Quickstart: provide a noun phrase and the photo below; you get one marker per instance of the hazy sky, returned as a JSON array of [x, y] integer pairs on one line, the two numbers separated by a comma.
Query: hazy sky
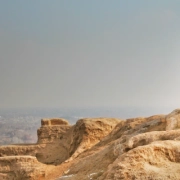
[[87, 53]]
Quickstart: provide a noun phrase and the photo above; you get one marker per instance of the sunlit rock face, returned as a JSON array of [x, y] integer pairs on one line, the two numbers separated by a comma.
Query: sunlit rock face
[[88, 132], [52, 130], [21, 167], [98, 148]]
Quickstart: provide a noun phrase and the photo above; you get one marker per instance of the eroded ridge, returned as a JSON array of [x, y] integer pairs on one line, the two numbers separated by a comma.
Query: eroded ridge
[[98, 148]]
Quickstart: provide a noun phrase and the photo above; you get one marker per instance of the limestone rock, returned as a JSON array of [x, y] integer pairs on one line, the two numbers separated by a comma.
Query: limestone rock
[[98, 149], [157, 161], [56, 135], [12, 150], [54, 121], [88, 132], [49, 134], [21, 167]]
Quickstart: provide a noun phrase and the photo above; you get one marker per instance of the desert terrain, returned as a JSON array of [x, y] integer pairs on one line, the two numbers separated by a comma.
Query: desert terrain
[[98, 148]]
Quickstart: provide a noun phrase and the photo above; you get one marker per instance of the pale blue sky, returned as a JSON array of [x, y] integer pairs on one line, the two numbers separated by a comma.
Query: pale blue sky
[[84, 53]]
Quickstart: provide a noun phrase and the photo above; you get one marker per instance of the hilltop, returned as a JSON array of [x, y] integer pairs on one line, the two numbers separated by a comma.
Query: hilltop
[[98, 148]]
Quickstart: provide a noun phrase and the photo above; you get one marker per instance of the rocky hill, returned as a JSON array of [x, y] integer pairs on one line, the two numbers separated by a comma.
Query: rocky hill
[[98, 148]]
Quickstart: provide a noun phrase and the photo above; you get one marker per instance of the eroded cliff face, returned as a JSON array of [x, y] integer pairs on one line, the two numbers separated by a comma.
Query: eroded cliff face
[[21, 167], [58, 141], [88, 132], [98, 148]]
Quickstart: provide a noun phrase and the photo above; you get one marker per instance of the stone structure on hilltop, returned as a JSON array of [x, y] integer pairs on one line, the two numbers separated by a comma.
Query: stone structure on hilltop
[[99, 149]]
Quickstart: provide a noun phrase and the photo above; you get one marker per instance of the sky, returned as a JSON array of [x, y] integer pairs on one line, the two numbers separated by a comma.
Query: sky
[[119, 53]]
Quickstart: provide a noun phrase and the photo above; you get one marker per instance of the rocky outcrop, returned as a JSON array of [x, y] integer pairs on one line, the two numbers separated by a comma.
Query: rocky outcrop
[[52, 129], [13, 150], [58, 141], [52, 145], [99, 149], [21, 167], [157, 161], [126, 139], [88, 132]]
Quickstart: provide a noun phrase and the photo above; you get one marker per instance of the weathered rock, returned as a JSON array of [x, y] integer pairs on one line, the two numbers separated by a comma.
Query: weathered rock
[[99, 149], [21, 167], [173, 120], [13, 150], [125, 137], [56, 135], [50, 134], [157, 161], [52, 146], [88, 132], [54, 121]]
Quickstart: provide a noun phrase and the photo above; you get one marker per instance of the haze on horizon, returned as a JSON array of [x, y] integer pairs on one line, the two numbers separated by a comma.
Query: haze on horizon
[[89, 53]]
